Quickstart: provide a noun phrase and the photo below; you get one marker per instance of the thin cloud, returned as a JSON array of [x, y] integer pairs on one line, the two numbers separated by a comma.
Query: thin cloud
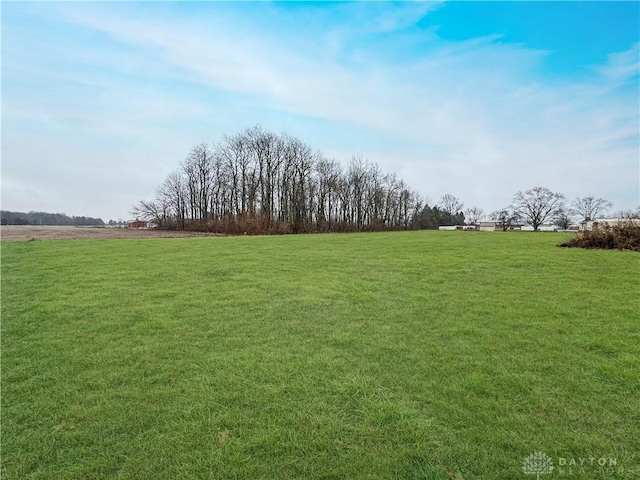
[[622, 66], [475, 118]]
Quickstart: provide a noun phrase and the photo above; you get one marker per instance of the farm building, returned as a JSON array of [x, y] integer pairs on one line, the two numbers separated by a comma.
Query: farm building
[[492, 226], [541, 228], [488, 226], [457, 227], [138, 224]]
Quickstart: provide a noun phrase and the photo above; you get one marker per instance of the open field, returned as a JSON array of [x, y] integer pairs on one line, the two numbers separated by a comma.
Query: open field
[[434, 355], [34, 232]]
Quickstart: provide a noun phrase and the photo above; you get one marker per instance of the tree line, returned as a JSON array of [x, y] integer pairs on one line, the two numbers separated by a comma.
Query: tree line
[[259, 182], [44, 218]]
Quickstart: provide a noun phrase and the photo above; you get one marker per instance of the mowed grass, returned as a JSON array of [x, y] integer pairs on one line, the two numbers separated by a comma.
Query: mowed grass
[[435, 355]]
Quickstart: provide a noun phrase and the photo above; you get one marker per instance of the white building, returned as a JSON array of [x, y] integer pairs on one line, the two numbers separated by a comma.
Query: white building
[[588, 225], [492, 226]]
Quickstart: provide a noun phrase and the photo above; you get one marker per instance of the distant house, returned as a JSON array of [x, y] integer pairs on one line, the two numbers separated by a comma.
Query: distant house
[[488, 226], [492, 226], [457, 227], [138, 224]]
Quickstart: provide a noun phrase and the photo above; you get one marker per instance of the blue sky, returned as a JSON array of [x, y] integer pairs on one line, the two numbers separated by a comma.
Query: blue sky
[[100, 101]]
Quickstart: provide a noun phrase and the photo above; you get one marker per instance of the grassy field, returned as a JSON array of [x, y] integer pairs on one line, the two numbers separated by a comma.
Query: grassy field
[[435, 355]]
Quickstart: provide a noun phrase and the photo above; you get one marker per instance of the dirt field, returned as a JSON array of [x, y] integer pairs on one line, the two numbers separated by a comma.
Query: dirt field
[[17, 233]]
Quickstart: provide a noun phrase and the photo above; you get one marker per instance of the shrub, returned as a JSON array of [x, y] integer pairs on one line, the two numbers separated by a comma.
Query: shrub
[[623, 236]]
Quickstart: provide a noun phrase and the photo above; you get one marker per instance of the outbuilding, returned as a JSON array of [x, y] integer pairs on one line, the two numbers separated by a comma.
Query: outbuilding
[[138, 224]]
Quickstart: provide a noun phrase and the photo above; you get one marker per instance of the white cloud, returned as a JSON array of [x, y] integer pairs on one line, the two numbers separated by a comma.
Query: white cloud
[[385, 16], [622, 66], [472, 118]]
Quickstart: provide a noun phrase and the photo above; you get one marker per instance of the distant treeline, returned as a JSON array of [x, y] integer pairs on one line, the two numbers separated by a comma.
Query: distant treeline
[[44, 218], [260, 182]]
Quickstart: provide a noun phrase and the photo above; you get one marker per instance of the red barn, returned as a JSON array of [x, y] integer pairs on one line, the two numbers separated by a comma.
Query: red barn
[[138, 224]]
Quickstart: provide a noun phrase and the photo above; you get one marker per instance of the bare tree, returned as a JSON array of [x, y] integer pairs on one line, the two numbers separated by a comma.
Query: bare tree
[[563, 217], [327, 174], [358, 178], [450, 204], [505, 217], [173, 194], [589, 207], [473, 215], [628, 214], [147, 210], [537, 205]]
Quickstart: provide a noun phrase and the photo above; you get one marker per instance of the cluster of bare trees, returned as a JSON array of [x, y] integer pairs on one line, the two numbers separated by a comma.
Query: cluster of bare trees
[[260, 182], [539, 205]]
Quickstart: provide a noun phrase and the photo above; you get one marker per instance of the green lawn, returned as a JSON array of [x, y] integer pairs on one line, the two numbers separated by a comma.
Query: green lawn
[[435, 355]]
